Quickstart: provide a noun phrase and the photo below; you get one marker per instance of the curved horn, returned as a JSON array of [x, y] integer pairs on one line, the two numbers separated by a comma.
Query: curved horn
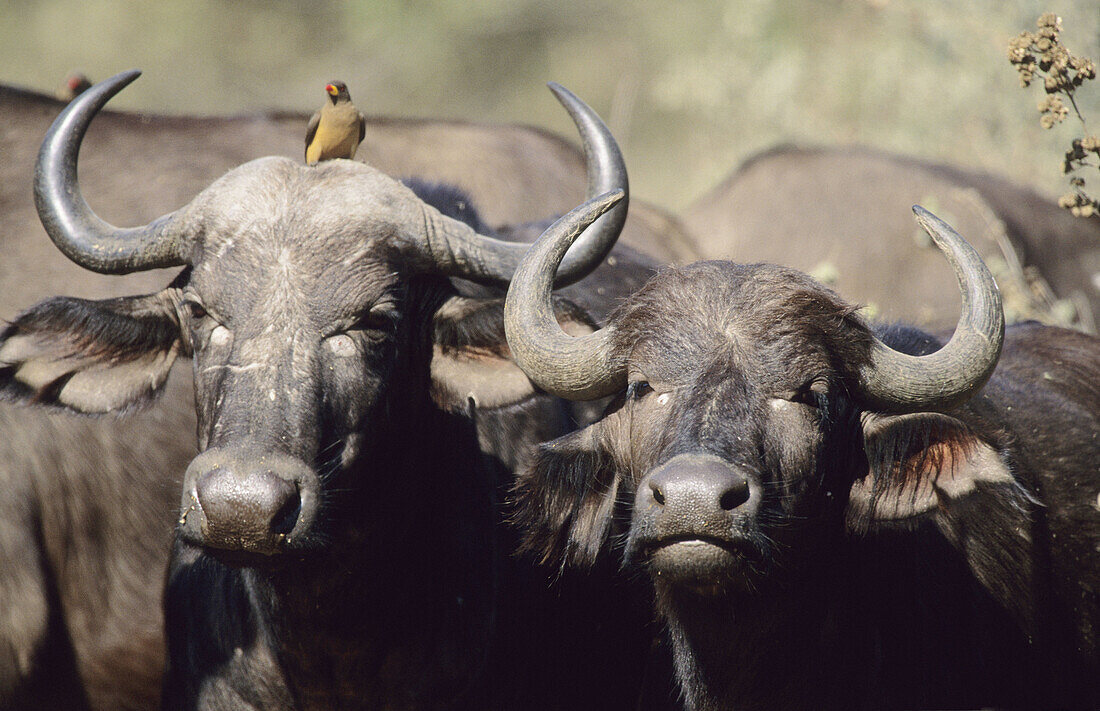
[[903, 383], [77, 231], [572, 368], [456, 250]]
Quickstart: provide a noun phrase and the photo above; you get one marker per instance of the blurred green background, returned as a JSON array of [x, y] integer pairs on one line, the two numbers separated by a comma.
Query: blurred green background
[[690, 88]]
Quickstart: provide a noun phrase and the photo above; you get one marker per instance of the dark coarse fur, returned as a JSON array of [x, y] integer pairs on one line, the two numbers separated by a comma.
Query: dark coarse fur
[[408, 594], [928, 560]]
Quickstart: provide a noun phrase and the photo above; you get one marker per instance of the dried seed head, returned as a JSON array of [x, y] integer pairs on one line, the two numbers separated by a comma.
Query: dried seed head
[[1085, 67], [1049, 19], [1042, 53]]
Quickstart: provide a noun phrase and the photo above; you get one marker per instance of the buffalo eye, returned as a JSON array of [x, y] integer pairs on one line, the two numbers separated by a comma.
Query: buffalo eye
[[637, 389], [377, 320], [812, 394], [195, 310]]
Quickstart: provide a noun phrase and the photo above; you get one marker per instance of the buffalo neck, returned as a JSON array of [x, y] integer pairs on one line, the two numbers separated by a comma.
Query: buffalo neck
[[764, 649]]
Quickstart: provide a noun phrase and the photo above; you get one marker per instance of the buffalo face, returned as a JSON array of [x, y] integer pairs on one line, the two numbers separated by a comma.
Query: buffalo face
[[292, 325], [714, 451]]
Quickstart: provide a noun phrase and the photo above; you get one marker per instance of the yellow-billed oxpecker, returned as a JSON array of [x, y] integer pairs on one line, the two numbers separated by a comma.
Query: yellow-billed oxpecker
[[336, 129]]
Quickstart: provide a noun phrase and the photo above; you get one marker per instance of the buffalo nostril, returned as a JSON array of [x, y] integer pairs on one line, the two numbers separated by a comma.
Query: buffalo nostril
[[734, 496], [284, 520], [658, 495]]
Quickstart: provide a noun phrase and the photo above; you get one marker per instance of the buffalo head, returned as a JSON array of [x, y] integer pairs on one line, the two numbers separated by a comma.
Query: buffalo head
[[749, 406]]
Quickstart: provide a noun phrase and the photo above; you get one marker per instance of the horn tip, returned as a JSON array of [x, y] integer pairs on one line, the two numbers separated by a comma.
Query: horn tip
[[127, 76], [928, 219], [112, 85], [564, 95]]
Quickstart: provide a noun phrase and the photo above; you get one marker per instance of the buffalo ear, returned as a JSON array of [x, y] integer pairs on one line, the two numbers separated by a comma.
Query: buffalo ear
[[923, 463], [564, 499], [91, 356], [470, 356]]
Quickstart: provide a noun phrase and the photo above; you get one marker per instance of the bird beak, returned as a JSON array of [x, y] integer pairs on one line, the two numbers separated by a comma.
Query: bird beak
[[331, 89]]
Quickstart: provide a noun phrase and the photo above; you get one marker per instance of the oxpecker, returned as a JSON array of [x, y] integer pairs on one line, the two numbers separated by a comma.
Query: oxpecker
[[336, 129]]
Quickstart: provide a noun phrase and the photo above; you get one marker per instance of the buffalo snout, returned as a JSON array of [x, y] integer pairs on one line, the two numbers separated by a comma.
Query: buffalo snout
[[693, 516], [694, 492], [240, 499]]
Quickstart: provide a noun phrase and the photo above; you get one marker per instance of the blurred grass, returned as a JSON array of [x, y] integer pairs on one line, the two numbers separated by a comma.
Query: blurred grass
[[690, 88]]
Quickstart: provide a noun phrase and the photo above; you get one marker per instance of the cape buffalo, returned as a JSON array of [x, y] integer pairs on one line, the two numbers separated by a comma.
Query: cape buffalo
[[840, 214], [832, 515], [339, 542]]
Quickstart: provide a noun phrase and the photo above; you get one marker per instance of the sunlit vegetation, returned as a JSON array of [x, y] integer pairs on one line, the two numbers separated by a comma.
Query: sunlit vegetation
[[690, 88]]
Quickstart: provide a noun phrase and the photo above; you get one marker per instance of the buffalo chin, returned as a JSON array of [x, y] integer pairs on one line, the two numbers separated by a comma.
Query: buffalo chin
[[703, 565]]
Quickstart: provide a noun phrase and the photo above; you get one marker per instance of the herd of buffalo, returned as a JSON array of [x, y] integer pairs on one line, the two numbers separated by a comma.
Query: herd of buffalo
[[439, 467]]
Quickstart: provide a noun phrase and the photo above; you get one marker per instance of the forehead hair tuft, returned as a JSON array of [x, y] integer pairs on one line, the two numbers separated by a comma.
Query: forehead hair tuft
[[763, 304]]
